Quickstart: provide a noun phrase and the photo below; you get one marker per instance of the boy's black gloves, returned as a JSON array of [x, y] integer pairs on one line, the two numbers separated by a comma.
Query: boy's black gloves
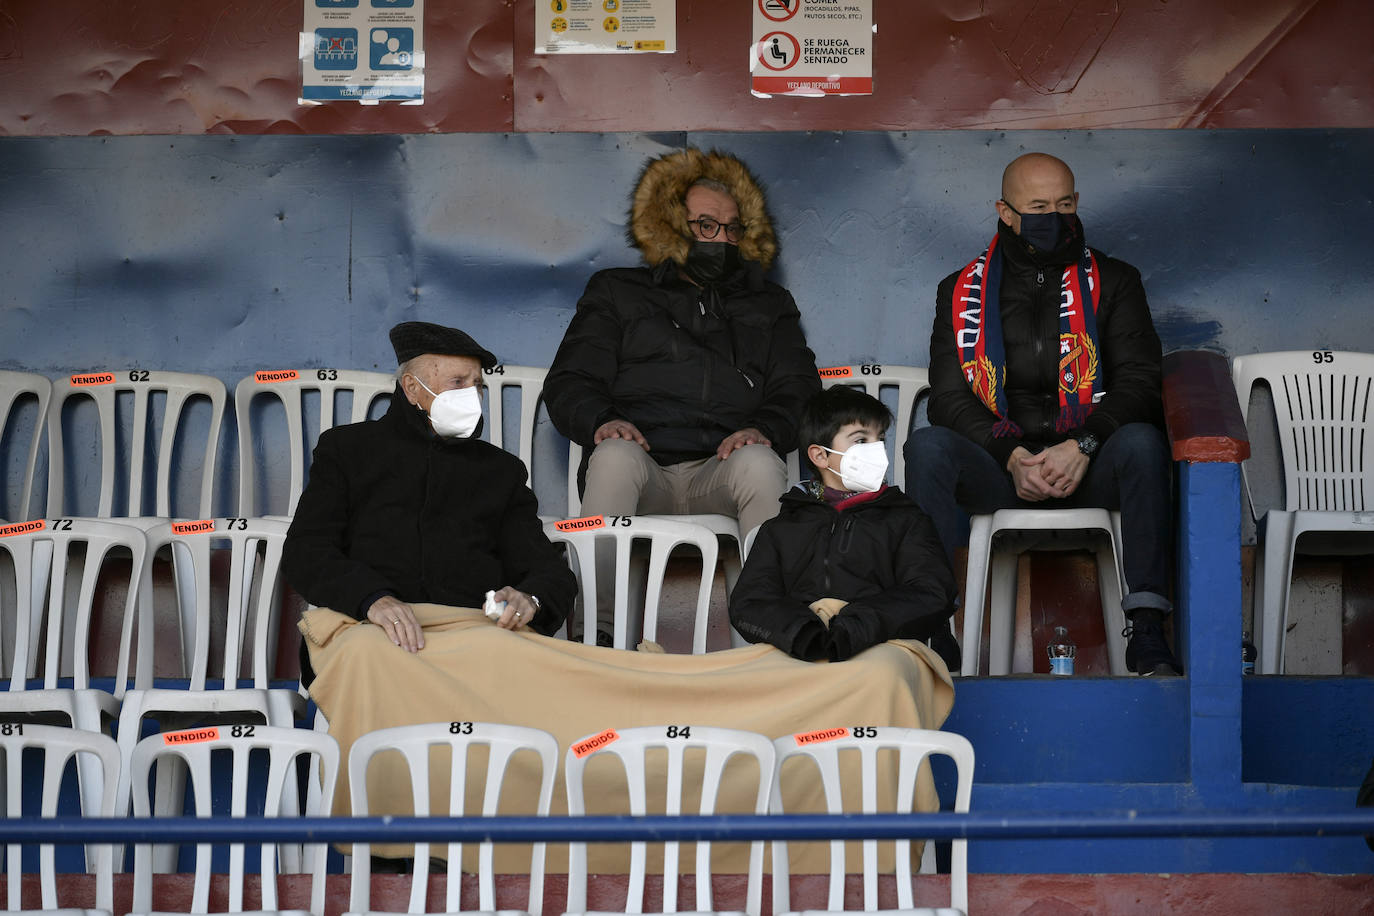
[[850, 634], [812, 643], [947, 647]]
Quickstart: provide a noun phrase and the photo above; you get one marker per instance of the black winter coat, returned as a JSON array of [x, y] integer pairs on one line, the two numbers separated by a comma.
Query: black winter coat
[[880, 553], [1129, 354], [391, 508], [645, 347]]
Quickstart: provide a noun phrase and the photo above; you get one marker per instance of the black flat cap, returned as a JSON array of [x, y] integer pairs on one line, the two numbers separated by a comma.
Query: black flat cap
[[416, 338]]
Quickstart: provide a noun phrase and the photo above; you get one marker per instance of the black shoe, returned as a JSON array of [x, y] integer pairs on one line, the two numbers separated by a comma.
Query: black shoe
[[386, 866], [947, 647], [382, 865], [1147, 654], [603, 639]]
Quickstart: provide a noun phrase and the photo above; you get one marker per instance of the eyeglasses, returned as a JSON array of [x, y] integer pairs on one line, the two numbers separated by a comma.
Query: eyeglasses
[[710, 228]]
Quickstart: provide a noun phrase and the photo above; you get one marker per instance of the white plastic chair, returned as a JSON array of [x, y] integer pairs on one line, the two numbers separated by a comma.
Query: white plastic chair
[[58, 746], [415, 743], [529, 380], [910, 381], [274, 796], [181, 390], [663, 534], [725, 529], [15, 386], [574, 462], [723, 526], [45, 616], [913, 746], [981, 554], [1321, 405], [289, 386], [254, 581], [631, 746]]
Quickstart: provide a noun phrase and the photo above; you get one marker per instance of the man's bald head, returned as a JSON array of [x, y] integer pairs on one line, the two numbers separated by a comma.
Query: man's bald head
[[1033, 169], [1036, 183]]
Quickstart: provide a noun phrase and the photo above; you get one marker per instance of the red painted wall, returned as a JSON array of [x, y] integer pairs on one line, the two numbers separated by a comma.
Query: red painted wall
[[170, 67]]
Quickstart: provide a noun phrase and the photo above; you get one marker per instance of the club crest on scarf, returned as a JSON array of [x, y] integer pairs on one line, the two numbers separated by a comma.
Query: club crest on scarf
[[982, 353], [982, 378], [1077, 363]]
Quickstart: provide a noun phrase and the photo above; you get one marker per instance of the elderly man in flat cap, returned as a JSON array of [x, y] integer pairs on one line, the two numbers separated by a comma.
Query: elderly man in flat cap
[[414, 507]]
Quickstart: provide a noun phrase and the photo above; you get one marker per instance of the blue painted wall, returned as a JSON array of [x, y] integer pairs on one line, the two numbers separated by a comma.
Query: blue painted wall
[[224, 255]]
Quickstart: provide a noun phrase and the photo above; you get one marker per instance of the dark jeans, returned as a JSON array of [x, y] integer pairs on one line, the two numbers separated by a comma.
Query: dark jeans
[[948, 475]]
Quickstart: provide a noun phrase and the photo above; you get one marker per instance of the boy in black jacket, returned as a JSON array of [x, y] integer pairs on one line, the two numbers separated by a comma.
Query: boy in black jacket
[[846, 535]]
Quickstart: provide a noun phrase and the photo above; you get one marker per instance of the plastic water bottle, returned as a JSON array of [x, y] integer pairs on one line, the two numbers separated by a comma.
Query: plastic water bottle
[[1248, 653], [1062, 652]]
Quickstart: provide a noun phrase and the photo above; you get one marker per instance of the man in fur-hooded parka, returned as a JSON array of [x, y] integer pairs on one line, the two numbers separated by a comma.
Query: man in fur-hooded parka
[[683, 379]]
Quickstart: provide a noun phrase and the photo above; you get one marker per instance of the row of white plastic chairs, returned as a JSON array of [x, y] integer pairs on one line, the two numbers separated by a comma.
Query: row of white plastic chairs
[[1320, 408], [291, 387], [692, 758], [46, 631]]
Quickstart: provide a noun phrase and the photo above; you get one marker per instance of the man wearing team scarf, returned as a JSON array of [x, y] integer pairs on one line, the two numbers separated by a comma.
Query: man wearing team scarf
[[1045, 391]]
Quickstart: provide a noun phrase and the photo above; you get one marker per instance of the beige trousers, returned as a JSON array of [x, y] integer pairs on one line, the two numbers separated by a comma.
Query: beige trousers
[[622, 479]]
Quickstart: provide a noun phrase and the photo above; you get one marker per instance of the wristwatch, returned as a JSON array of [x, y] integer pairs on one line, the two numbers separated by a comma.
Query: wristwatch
[[534, 600], [1088, 444]]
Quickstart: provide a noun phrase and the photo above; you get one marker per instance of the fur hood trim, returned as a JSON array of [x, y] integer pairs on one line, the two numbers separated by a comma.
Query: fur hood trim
[[658, 215]]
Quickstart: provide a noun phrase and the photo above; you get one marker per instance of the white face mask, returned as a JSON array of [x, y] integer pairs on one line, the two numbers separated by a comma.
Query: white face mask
[[454, 413], [863, 468]]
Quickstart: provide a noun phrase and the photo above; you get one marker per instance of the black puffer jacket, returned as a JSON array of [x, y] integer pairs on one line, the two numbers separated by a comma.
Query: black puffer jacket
[[1129, 353], [649, 347], [391, 508], [877, 551]]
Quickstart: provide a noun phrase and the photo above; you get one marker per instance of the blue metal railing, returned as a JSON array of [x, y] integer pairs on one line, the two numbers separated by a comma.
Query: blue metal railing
[[718, 828]]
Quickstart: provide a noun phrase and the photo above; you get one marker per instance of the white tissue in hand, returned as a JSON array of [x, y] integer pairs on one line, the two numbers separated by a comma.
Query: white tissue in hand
[[492, 607]]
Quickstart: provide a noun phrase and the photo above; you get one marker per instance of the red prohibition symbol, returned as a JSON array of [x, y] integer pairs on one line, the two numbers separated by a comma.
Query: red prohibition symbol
[[779, 10], [778, 51]]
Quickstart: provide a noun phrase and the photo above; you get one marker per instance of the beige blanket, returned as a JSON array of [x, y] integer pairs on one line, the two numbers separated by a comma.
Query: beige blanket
[[471, 670]]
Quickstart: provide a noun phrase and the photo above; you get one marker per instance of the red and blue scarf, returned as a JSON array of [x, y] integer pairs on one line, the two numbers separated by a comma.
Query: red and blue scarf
[[978, 337]]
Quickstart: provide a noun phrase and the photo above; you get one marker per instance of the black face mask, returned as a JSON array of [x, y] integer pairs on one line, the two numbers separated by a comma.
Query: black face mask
[[1046, 232], [711, 262], [1041, 230]]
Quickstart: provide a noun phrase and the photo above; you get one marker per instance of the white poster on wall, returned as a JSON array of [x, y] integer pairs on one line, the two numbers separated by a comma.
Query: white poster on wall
[[605, 26], [812, 47], [363, 50]]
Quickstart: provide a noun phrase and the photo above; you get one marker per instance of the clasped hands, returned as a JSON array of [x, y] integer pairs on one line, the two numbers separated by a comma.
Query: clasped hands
[[1052, 473], [397, 618], [624, 429]]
